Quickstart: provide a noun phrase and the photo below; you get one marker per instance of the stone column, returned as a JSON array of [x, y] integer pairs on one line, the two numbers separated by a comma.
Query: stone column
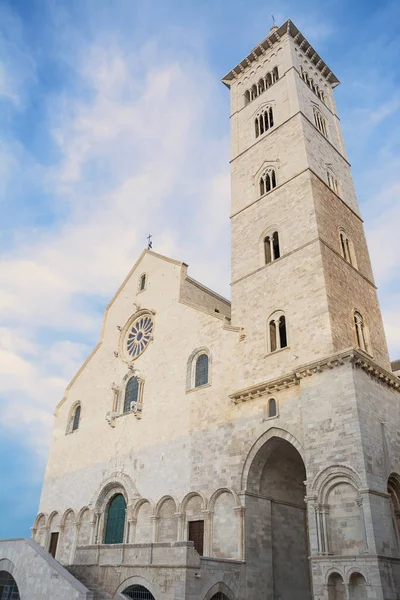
[[154, 528], [131, 534], [94, 528], [180, 517], [208, 533], [240, 510], [71, 557]]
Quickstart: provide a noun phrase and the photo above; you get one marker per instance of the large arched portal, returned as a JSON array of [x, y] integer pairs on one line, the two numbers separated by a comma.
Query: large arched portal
[[276, 522], [8, 587]]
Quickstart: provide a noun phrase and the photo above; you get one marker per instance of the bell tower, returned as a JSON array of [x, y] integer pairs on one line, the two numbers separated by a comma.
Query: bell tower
[[302, 283]]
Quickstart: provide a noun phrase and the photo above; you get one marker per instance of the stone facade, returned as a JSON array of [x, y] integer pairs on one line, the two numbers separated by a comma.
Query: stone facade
[[298, 504]]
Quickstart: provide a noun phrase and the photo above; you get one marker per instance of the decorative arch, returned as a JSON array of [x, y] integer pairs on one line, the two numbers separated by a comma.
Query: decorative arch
[[74, 417], [161, 502], [191, 495], [336, 570], [277, 331], [117, 480], [361, 333], [139, 504], [218, 492], [265, 437], [66, 515], [355, 571], [270, 244], [52, 518], [326, 478], [191, 367], [37, 523], [219, 588]]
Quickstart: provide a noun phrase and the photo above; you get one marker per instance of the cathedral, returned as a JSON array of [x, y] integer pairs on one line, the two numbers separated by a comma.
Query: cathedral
[[243, 450]]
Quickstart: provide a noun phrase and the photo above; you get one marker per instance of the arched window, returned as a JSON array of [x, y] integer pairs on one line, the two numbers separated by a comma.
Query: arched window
[[360, 332], [74, 418], [138, 592], [132, 390], [264, 121], [271, 247], [346, 248], [115, 520], [143, 281], [332, 181], [246, 97], [8, 587], [275, 74], [254, 92], [201, 371], [261, 86], [320, 122], [277, 333], [77, 416], [268, 80], [267, 181], [271, 408]]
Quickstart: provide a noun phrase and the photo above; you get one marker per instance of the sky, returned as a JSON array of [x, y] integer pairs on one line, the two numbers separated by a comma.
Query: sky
[[114, 124]]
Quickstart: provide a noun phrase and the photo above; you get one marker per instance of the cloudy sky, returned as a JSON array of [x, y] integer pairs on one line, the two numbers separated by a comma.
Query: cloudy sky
[[114, 124]]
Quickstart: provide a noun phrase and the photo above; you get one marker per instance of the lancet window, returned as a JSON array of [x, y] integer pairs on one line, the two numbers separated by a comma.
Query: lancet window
[[263, 84], [74, 418], [277, 332], [142, 282], [272, 409], [201, 371], [320, 122], [264, 121], [271, 247], [360, 332], [312, 85], [133, 392], [332, 181], [267, 181], [346, 247]]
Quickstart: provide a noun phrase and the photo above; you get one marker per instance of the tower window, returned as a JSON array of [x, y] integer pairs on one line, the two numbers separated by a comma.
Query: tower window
[[360, 332], [271, 247], [320, 122], [264, 121], [346, 248], [332, 181], [132, 393], [262, 85], [272, 408], [267, 181], [277, 331], [201, 374], [142, 282], [312, 85]]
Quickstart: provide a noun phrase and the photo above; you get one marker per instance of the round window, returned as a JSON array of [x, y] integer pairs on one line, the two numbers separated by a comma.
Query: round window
[[139, 335]]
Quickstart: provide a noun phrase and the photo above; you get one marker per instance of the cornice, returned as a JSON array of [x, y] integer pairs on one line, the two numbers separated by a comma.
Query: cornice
[[273, 38], [350, 356]]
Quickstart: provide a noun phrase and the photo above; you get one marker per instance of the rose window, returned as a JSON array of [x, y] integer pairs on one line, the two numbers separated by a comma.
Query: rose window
[[139, 336]]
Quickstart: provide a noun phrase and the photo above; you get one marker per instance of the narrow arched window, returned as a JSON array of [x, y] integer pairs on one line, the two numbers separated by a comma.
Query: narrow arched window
[[131, 394], [361, 337], [142, 282], [264, 121], [271, 247], [268, 80], [332, 181], [257, 126], [277, 332], [346, 248], [272, 407], [275, 74], [320, 122], [77, 416], [246, 97], [261, 86], [254, 91], [267, 181], [115, 520], [201, 371]]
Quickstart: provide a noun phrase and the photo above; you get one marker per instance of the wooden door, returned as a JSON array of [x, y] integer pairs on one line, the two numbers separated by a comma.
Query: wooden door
[[196, 535], [53, 544]]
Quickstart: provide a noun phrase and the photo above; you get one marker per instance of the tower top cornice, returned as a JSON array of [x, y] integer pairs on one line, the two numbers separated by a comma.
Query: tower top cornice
[[273, 38]]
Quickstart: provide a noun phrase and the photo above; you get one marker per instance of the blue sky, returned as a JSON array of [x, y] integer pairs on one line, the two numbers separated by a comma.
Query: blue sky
[[114, 123]]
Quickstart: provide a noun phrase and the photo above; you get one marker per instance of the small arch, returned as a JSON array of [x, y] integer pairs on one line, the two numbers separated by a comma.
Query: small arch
[[267, 181], [275, 74], [218, 492], [139, 581], [219, 591], [137, 592], [358, 586], [268, 80], [118, 482], [139, 504], [254, 92], [161, 502], [40, 521], [190, 495], [320, 121], [65, 516], [261, 86], [246, 97], [336, 587], [323, 480]]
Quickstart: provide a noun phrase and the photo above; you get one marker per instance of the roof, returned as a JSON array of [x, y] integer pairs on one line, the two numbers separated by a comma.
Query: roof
[[274, 37], [395, 365]]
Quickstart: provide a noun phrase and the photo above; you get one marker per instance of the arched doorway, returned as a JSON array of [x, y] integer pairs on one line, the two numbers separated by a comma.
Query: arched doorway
[[276, 522], [336, 589], [115, 526], [358, 587], [138, 592], [8, 587]]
